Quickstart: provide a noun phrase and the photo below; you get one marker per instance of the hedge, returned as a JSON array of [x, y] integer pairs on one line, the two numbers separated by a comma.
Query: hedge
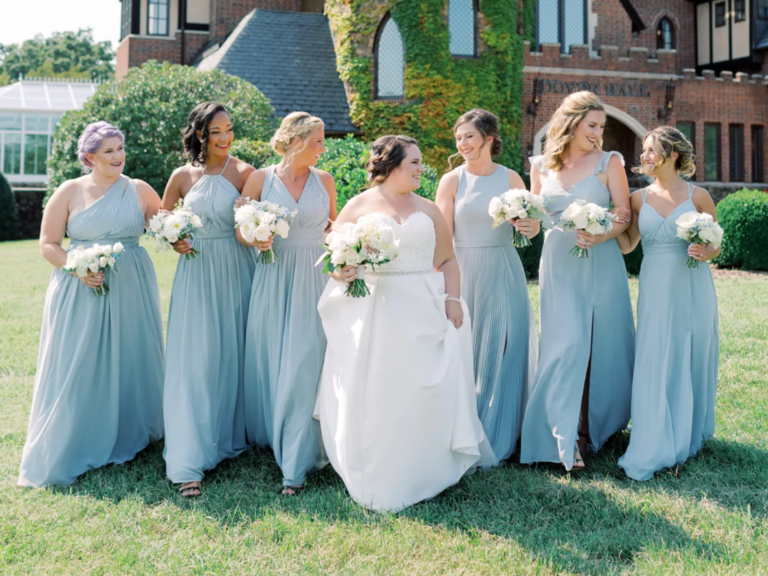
[[151, 105], [9, 217], [744, 218]]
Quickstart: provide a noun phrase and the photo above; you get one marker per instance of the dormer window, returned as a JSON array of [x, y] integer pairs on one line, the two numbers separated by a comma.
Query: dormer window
[[390, 60], [462, 27]]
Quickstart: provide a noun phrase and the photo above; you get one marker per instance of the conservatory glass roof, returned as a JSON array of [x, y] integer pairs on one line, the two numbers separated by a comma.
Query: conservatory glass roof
[[42, 95]]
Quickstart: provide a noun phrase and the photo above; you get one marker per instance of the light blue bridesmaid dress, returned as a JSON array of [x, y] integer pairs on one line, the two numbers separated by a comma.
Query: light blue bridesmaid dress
[[285, 342], [676, 353], [204, 409], [494, 287], [586, 323], [99, 383]]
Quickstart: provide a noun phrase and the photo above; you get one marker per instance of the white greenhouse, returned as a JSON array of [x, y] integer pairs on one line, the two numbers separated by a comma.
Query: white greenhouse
[[29, 112]]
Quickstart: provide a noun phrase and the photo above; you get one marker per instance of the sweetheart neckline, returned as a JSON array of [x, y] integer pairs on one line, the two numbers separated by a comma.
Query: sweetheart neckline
[[404, 222]]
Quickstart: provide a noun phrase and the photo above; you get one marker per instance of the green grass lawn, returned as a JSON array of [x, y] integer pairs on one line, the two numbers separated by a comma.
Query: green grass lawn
[[709, 518]]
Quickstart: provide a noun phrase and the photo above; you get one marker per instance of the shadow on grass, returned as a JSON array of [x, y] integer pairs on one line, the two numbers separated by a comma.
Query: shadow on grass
[[570, 522]]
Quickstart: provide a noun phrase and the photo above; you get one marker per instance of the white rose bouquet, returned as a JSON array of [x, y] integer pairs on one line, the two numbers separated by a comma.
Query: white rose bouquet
[[513, 204], [582, 215], [170, 227], [701, 229], [368, 241], [262, 220], [97, 259]]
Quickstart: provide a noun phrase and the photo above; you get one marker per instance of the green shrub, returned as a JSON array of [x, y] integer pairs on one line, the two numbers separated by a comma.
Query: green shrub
[[744, 218], [344, 159], [151, 105], [9, 216], [633, 260]]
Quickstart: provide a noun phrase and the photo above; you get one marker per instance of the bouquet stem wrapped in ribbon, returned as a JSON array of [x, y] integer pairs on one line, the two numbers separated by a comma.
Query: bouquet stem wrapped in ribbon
[[169, 227], [98, 258], [261, 221], [583, 215], [514, 204], [368, 241], [698, 228]]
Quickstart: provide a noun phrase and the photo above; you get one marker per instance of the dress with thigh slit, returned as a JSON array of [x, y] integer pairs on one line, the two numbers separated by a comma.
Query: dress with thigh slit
[[586, 327]]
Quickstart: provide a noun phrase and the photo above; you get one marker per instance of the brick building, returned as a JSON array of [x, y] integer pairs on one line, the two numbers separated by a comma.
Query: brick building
[[697, 64]]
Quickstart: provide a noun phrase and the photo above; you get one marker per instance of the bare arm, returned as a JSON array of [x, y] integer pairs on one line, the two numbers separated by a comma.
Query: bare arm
[[445, 198], [178, 185], [54, 225], [704, 204], [330, 187], [445, 262], [630, 238], [148, 200], [535, 181]]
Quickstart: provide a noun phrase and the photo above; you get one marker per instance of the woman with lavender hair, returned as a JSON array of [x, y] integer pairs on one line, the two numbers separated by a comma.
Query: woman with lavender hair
[[98, 394]]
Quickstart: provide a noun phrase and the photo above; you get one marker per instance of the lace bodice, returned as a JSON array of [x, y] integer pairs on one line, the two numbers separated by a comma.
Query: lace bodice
[[417, 245]]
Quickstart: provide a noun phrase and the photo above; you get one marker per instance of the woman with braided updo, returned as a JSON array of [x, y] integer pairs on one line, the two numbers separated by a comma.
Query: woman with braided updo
[[204, 409], [285, 343], [677, 347]]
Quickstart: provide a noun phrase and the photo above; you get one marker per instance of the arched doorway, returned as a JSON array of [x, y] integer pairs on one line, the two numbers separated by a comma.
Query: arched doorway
[[623, 134]]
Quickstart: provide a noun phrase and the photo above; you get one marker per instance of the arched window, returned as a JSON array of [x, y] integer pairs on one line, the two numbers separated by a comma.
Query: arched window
[[665, 35], [390, 60], [462, 27]]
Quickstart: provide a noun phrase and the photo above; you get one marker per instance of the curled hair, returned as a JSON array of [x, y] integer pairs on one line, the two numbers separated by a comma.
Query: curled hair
[[92, 138], [296, 128], [563, 123], [196, 149], [488, 126], [387, 153], [665, 140]]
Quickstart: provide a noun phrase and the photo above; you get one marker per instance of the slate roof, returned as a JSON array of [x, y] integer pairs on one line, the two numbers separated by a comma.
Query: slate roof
[[763, 41], [290, 57]]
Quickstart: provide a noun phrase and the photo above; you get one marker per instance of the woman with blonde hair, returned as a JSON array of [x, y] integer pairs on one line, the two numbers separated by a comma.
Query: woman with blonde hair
[[676, 353], [492, 278], [285, 343], [584, 377]]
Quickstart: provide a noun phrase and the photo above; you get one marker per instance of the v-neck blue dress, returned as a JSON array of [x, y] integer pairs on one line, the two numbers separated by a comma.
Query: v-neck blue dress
[[676, 355], [203, 404], [285, 343], [586, 322]]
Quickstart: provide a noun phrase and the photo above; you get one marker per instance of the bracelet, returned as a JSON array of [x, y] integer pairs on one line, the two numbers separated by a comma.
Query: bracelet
[[452, 299]]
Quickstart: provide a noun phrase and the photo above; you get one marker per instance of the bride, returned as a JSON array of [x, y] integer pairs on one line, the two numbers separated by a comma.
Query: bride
[[396, 401]]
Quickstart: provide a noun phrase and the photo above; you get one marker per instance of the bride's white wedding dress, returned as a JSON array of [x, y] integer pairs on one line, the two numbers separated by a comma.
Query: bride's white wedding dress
[[396, 401]]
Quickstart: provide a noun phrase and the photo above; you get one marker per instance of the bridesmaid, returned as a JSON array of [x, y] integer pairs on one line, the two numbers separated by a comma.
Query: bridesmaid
[[587, 329], [204, 409], [285, 343], [99, 383], [493, 280], [675, 377]]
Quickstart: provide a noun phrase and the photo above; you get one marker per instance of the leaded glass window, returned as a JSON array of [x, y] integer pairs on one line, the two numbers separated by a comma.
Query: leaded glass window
[[712, 152], [157, 17], [561, 21], [462, 27], [390, 61]]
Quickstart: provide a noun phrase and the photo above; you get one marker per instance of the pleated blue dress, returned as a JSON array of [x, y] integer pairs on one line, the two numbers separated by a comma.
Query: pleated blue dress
[[204, 405], [99, 382], [493, 284], [285, 342], [676, 353], [586, 322]]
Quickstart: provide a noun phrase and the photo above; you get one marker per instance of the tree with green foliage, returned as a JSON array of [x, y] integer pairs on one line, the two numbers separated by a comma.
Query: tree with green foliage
[[62, 55], [9, 217], [151, 105]]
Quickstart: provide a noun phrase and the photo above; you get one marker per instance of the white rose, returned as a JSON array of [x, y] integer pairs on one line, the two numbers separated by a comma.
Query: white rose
[[117, 248], [595, 228], [282, 228], [687, 220], [580, 220], [102, 262], [707, 235], [262, 233], [196, 222], [522, 214], [495, 207], [718, 232], [572, 211], [351, 257], [94, 267]]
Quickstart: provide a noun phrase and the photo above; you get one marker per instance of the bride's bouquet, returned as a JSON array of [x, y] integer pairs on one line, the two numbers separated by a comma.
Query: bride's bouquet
[[698, 228], [582, 215], [169, 227], [368, 241], [262, 220], [97, 258], [513, 204]]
